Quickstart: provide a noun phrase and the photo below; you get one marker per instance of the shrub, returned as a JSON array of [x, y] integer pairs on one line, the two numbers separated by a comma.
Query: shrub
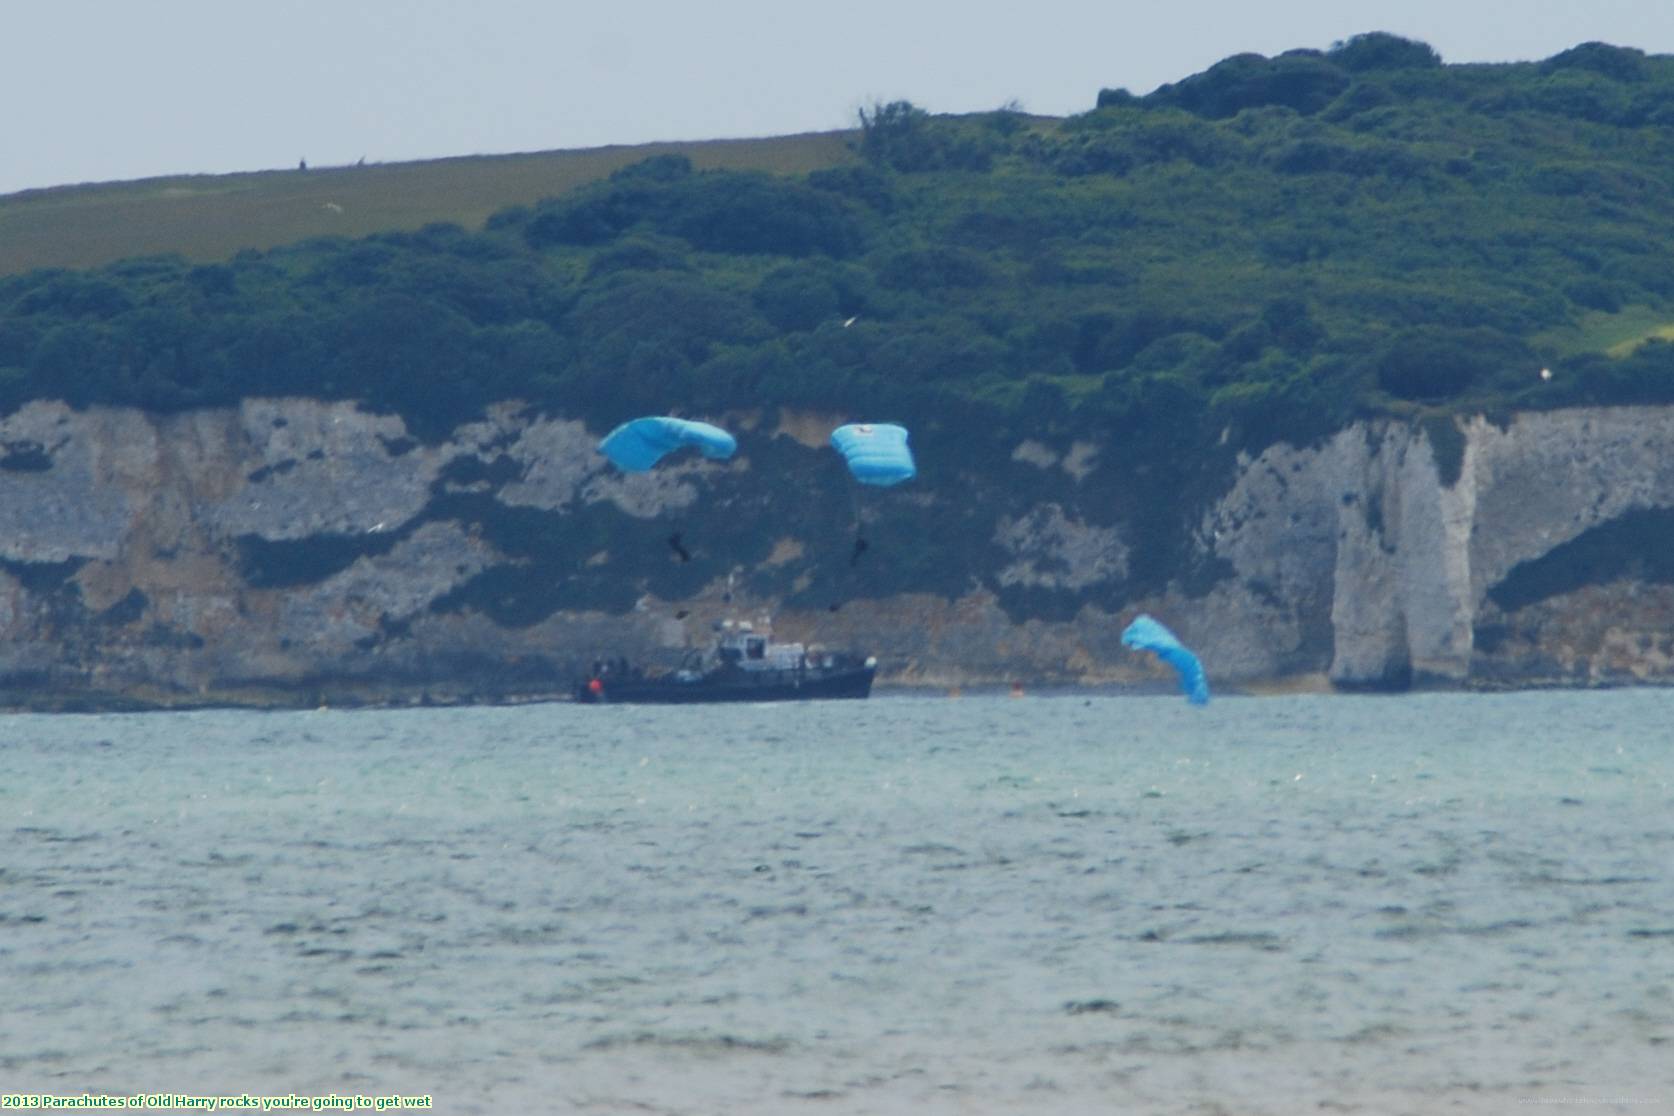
[[1379, 50], [796, 298], [1617, 63], [896, 135], [861, 183], [1301, 80], [1434, 363], [734, 212], [933, 268], [636, 316], [640, 253], [718, 211]]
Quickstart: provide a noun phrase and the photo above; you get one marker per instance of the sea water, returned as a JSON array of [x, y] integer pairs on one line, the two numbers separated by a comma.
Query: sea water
[[1425, 904]]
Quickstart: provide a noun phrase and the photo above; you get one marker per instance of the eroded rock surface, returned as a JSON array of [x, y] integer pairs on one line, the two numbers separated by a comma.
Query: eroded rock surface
[[294, 550]]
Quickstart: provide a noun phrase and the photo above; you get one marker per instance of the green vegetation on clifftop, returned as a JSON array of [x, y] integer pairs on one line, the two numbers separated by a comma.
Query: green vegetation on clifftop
[[1262, 251], [1270, 245]]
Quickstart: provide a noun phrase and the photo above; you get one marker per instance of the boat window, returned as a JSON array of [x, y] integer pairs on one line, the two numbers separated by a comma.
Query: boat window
[[755, 648]]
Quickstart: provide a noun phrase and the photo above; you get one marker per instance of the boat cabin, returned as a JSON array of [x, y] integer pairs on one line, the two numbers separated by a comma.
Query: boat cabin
[[744, 648]]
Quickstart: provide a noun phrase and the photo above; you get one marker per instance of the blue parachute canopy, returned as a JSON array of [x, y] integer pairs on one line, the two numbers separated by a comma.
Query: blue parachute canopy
[[1146, 634], [636, 446], [877, 452]]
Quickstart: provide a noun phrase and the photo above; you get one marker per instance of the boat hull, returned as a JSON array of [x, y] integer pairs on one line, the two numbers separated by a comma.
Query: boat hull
[[779, 685]]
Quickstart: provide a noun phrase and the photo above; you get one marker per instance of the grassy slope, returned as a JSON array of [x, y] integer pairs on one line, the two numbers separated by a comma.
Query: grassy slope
[[212, 217], [1616, 334]]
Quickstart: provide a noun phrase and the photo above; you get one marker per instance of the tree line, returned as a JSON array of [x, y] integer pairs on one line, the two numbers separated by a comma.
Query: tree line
[[1258, 252]]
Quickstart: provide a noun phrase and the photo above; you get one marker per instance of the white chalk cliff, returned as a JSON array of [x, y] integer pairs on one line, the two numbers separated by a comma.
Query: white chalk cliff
[[293, 550]]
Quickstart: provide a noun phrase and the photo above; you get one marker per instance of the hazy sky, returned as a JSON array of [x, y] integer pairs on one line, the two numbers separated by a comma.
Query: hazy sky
[[95, 90]]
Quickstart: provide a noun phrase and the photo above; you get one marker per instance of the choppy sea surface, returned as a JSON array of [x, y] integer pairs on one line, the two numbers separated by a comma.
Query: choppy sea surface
[[1416, 904]]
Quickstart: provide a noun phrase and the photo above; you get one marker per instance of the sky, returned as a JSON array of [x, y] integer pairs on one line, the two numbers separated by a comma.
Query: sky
[[104, 90]]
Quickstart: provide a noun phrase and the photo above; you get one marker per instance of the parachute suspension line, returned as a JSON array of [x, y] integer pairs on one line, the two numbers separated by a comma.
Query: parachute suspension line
[[877, 455], [637, 447], [677, 543], [675, 538], [860, 543]]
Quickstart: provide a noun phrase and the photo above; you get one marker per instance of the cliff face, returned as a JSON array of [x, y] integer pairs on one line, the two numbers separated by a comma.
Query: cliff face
[[295, 551], [1523, 554]]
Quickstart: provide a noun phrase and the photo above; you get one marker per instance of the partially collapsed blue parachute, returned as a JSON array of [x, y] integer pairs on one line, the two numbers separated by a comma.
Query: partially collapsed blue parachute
[[640, 444], [877, 453], [1146, 634]]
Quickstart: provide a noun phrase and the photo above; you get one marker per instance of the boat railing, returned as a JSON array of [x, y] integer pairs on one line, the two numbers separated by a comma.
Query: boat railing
[[802, 671]]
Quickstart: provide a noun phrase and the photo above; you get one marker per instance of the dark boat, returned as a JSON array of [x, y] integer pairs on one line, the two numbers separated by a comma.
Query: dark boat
[[743, 665]]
